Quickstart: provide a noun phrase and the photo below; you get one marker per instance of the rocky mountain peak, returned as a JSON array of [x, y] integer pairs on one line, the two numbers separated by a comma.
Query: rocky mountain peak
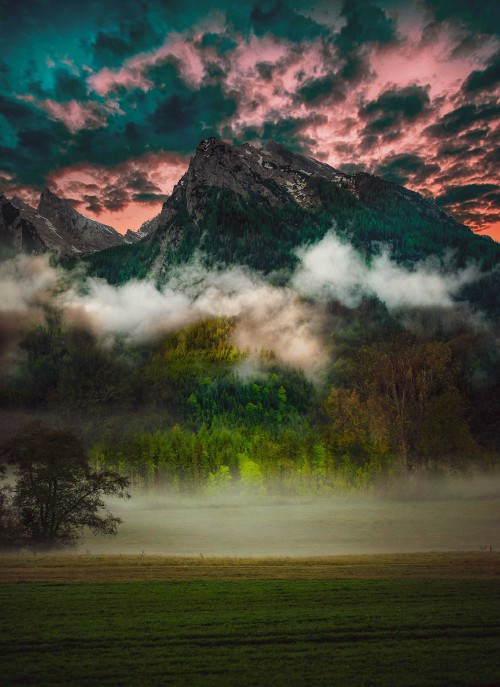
[[47, 196], [271, 172], [254, 203], [86, 234], [54, 226]]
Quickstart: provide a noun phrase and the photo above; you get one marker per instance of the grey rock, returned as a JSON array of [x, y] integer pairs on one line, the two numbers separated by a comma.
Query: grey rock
[[85, 235], [22, 228]]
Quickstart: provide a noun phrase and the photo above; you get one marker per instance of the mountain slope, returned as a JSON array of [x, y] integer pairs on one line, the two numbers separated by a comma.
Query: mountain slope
[[22, 228], [251, 205], [54, 227], [86, 234], [254, 206]]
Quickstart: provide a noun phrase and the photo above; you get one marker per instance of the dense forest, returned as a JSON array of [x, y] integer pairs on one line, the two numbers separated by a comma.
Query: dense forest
[[192, 411]]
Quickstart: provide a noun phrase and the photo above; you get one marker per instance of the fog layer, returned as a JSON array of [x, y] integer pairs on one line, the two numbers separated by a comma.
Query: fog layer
[[288, 320], [456, 514]]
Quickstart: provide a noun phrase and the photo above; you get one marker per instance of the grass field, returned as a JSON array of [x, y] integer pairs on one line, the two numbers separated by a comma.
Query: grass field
[[417, 619]]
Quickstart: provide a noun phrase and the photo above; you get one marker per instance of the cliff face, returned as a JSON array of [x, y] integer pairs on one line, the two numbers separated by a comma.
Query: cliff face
[[22, 228], [54, 227], [278, 177], [85, 234], [272, 173]]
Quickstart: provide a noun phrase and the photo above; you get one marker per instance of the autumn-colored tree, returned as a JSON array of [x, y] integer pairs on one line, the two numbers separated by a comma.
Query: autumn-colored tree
[[415, 382], [358, 428]]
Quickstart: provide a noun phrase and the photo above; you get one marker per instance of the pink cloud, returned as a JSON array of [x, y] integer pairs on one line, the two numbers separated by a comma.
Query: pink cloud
[[260, 100], [74, 114], [161, 169], [336, 127], [106, 80], [132, 73]]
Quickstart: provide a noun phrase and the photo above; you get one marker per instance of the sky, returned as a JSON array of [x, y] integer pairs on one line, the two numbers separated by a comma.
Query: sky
[[105, 102]]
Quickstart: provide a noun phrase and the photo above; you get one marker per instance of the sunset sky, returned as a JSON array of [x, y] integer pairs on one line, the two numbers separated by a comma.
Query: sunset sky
[[105, 102]]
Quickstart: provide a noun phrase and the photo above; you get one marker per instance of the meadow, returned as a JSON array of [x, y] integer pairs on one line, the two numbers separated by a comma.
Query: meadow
[[399, 619]]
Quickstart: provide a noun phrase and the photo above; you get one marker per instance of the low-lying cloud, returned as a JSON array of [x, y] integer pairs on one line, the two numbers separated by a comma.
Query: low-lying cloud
[[26, 285], [332, 269], [288, 320], [270, 318]]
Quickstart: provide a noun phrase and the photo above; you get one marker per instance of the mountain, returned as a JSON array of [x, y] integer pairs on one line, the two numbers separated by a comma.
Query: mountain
[[23, 229], [86, 234], [148, 227], [54, 227], [255, 205], [131, 236]]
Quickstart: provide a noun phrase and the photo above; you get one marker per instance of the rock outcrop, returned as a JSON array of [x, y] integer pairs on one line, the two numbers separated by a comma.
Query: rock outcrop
[[86, 235], [22, 228]]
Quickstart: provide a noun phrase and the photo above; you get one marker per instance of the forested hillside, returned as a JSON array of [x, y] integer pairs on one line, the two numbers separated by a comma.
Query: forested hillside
[[194, 411]]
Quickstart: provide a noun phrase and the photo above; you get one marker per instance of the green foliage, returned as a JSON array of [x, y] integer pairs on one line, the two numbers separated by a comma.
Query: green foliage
[[56, 495], [389, 401], [119, 264], [69, 367]]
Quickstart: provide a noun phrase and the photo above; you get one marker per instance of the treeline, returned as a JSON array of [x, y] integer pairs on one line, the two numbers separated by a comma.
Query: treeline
[[190, 376], [251, 460]]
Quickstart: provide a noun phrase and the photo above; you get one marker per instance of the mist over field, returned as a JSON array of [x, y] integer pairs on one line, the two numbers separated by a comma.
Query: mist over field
[[454, 514]]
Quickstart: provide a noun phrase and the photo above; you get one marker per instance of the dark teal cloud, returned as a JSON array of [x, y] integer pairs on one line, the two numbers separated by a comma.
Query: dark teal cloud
[[464, 117], [483, 80], [132, 31], [135, 187], [67, 86], [279, 19], [481, 16], [459, 194], [30, 142], [220, 42], [265, 70], [288, 131], [181, 119], [366, 22], [391, 111], [328, 87], [404, 167], [149, 197]]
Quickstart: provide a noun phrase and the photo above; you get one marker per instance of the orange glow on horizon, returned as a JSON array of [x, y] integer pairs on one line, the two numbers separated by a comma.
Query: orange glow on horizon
[[132, 217], [492, 230]]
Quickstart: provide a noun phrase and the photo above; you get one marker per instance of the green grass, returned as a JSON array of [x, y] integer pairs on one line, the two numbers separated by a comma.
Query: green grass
[[257, 632]]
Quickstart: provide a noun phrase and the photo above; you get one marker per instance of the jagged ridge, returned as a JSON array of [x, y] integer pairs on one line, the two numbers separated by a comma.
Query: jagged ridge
[[55, 226], [86, 234], [255, 205]]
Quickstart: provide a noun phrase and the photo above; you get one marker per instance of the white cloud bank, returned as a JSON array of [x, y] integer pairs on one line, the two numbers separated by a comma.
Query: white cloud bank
[[286, 320], [333, 269]]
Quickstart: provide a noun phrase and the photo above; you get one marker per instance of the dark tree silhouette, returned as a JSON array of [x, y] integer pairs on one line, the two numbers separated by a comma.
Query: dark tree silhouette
[[56, 494]]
